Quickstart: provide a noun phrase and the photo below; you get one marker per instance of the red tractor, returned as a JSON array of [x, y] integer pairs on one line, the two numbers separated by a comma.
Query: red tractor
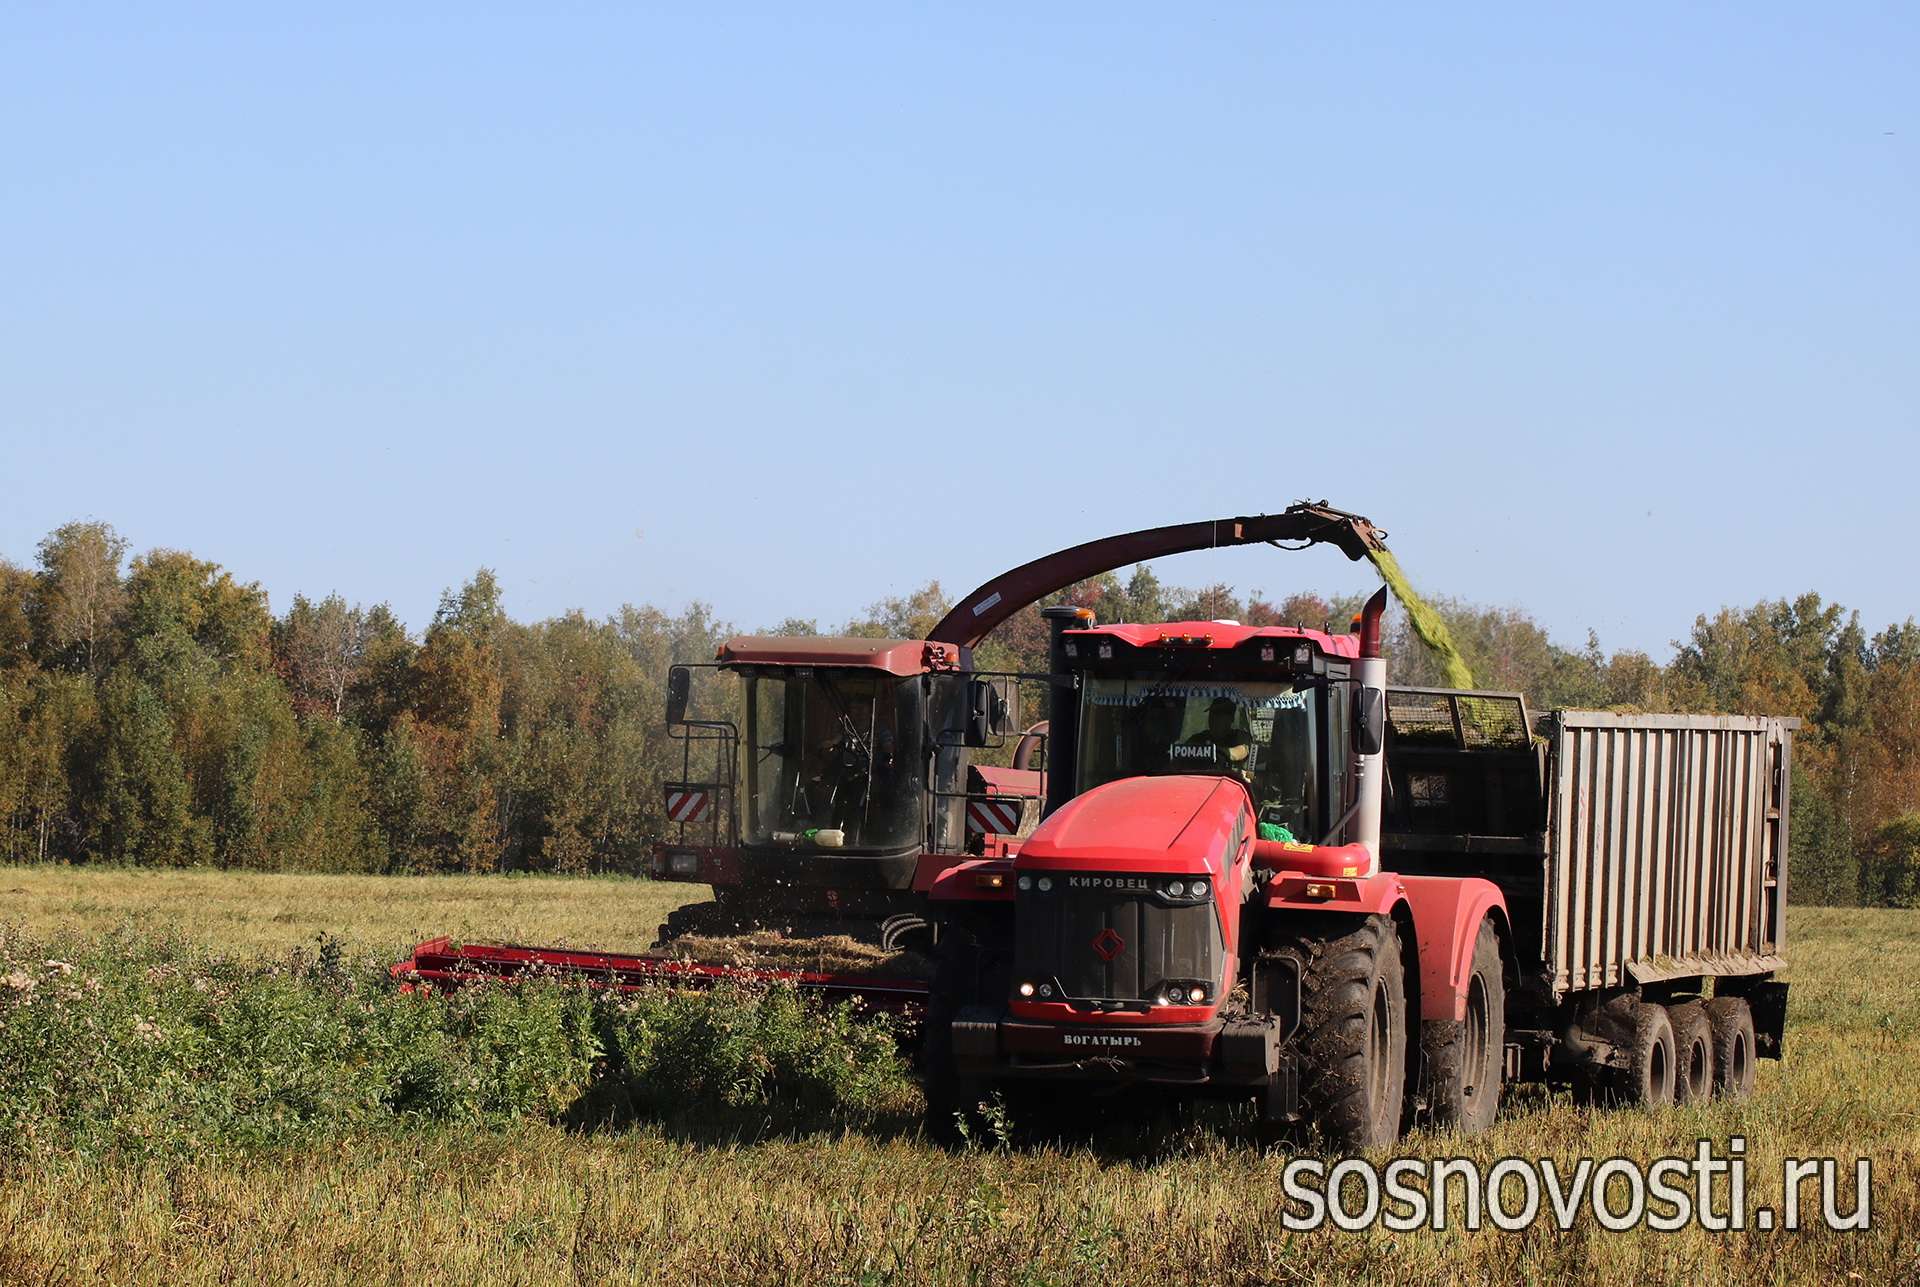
[[1264, 875]]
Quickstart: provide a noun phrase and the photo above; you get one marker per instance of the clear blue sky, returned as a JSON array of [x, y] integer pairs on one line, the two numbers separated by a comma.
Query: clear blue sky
[[1614, 316]]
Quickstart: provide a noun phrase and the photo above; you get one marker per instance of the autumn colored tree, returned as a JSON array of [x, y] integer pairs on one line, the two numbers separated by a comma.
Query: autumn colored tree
[[156, 712]]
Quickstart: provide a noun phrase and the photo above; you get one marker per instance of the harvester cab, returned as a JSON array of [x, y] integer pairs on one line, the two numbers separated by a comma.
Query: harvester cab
[[843, 762]]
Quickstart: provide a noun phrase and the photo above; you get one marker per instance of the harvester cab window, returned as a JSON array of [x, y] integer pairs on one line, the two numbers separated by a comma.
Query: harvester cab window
[[835, 759], [1261, 734]]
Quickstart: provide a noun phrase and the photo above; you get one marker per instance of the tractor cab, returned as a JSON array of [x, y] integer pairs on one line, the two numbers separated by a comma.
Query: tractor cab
[[1257, 705]]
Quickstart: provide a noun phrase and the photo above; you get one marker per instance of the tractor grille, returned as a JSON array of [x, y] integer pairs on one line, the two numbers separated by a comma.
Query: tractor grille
[[1105, 941]]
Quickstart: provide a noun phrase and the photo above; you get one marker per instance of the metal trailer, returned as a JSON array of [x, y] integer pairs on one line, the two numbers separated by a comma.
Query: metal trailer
[[1638, 853]]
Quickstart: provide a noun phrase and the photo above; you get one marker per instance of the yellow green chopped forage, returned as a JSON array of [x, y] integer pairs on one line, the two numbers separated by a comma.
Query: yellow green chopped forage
[[1425, 621]]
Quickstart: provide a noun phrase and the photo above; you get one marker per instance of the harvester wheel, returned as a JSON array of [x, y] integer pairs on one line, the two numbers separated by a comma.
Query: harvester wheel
[[1465, 1061], [1353, 1032], [1732, 1022], [1692, 1053], [957, 1108], [1647, 1080]]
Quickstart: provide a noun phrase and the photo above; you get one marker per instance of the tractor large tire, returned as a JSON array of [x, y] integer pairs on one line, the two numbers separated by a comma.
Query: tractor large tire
[[1733, 1048], [1353, 1032], [1692, 1053], [1647, 1080], [1464, 1062]]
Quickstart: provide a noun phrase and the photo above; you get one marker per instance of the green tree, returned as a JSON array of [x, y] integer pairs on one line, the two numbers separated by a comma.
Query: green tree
[[1891, 874], [228, 621], [146, 802], [79, 593]]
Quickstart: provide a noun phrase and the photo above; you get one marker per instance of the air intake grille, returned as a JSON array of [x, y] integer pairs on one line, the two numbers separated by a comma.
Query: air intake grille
[[1113, 940]]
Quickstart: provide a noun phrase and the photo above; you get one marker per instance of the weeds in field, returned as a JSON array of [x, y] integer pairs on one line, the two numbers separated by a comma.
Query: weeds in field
[[135, 1045]]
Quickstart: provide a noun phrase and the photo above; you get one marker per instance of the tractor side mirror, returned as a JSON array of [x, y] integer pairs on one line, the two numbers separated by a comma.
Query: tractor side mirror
[[1370, 721], [679, 685], [992, 711]]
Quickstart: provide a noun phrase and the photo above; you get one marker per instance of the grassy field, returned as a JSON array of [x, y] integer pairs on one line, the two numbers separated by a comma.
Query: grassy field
[[529, 1200], [272, 913]]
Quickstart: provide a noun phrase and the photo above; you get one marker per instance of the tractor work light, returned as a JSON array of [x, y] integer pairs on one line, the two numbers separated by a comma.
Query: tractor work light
[[682, 863], [1303, 655]]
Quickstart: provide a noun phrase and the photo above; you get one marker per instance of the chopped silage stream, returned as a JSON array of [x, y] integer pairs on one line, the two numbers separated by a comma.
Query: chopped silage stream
[[1426, 623]]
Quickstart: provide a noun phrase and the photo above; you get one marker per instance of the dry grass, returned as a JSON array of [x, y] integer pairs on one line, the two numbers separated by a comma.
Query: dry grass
[[249, 912], [535, 1203]]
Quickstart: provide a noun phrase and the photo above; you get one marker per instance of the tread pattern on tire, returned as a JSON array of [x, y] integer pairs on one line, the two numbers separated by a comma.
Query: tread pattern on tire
[[1443, 1061], [1731, 1017], [1690, 1024], [1337, 973]]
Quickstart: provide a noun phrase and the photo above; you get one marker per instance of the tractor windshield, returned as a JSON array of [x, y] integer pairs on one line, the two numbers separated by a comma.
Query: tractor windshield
[[834, 750], [1260, 733]]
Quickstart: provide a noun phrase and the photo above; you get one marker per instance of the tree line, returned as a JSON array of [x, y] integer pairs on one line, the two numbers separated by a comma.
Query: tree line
[[155, 711]]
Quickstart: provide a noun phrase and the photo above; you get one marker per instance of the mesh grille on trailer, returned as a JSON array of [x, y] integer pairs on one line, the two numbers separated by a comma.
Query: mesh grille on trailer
[[1420, 716], [1444, 717]]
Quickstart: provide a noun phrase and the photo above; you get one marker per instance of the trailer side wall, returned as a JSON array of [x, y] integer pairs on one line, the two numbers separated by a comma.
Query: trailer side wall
[[1667, 847]]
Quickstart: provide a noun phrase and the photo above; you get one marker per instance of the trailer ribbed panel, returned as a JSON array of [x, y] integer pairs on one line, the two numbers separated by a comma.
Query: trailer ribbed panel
[[1668, 848]]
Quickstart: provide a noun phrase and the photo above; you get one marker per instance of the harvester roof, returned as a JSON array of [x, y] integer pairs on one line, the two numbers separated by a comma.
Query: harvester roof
[[895, 656]]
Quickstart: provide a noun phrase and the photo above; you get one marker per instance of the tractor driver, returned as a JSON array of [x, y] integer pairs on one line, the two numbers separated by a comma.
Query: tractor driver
[[1232, 745]]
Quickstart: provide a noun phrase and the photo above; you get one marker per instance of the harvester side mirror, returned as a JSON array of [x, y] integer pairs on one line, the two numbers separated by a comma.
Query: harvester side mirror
[[679, 684], [992, 711], [1370, 721]]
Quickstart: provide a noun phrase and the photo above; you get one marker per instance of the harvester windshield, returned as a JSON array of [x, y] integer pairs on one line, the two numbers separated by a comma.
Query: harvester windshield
[[834, 751], [1260, 733]]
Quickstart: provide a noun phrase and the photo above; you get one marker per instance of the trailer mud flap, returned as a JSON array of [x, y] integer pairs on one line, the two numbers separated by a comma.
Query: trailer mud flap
[[1768, 1001]]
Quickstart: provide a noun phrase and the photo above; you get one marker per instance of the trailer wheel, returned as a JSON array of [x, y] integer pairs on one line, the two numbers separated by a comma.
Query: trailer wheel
[[1693, 1067], [1353, 1032], [1647, 1080], [1732, 1022], [1465, 1061]]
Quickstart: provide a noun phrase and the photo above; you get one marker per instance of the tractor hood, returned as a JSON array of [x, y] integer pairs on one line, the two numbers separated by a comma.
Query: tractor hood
[[1172, 824]]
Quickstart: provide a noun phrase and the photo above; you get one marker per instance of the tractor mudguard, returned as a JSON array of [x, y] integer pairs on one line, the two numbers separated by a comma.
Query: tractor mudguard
[[1447, 911], [1297, 891]]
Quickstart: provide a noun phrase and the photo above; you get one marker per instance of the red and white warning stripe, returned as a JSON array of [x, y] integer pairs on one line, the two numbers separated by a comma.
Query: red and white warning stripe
[[686, 805], [994, 817]]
